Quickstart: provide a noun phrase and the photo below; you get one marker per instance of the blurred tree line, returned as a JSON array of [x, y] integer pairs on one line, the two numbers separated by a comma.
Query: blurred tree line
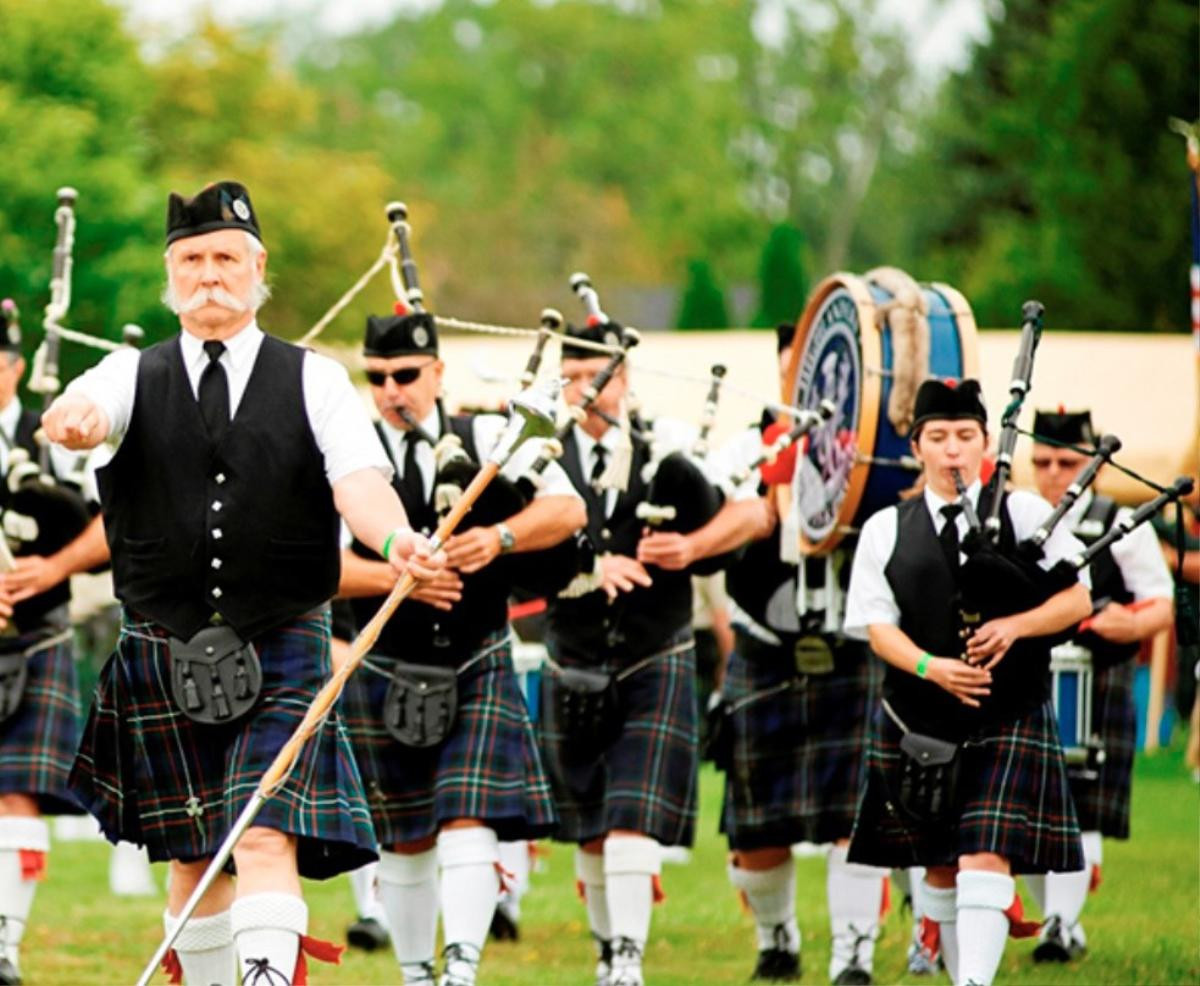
[[639, 141]]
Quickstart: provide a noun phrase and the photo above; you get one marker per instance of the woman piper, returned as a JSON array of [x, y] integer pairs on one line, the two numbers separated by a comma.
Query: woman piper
[[1010, 810]]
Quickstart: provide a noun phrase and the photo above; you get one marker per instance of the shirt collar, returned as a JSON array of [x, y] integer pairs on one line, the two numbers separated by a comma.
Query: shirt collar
[[587, 443], [431, 424], [934, 503], [9, 418], [240, 349]]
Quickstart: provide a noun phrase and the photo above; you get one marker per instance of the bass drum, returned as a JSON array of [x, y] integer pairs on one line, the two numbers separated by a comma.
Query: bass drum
[[866, 343]]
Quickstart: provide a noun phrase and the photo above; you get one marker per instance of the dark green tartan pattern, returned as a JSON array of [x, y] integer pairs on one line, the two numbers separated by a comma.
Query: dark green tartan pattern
[[646, 781], [1014, 801], [1103, 804], [487, 769], [150, 775], [799, 744], [38, 742]]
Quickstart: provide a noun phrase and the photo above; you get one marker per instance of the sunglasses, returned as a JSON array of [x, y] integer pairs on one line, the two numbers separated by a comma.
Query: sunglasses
[[1046, 461], [407, 375]]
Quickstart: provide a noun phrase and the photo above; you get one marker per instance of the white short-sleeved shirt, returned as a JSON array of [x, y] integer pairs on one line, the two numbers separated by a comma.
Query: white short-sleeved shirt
[[737, 454], [339, 421], [1137, 554], [870, 598], [65, 462]]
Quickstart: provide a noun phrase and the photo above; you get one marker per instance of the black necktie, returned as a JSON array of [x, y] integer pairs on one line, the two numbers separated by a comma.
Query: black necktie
[[414, 482], [597, 501], [213, 392], [949, 534]]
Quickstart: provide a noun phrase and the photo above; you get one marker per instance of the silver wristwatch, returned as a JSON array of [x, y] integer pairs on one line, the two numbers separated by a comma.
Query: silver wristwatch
[[508, 540]]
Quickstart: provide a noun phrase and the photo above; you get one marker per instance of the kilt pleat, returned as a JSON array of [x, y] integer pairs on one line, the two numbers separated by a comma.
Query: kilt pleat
[[152, 776], [487, 769], [799, 744], [1014, 801], [1103, 803], [646, 780], [39, 740]]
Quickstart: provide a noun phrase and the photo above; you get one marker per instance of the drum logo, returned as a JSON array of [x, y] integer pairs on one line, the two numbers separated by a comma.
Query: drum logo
[[830, 369]]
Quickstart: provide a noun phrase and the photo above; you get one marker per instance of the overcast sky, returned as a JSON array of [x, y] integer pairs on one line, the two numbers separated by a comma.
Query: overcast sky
[[941, 30]]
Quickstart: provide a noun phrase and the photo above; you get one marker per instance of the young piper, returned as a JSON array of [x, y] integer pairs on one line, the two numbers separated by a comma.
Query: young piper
[[1131, 571], [237, 454], [447, 799], [1010, 810]]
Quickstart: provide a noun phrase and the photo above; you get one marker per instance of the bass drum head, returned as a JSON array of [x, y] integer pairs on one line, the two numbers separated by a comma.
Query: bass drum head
[[847, 468]]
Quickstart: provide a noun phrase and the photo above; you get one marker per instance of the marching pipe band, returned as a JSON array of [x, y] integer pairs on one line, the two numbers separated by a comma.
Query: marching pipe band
[[625, 628]]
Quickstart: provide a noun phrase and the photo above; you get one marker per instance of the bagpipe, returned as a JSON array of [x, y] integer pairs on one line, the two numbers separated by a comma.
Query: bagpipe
[[457, 464], [1001, 577], [43, 510]]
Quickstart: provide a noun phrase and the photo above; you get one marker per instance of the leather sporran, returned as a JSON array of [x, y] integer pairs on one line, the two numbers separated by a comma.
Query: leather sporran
[[14, 673], [930, 767], [216, 677], [421, 704], [586, 709]]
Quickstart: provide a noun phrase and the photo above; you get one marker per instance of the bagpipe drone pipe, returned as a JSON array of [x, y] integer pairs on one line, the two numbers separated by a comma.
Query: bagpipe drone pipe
[[457, 460]]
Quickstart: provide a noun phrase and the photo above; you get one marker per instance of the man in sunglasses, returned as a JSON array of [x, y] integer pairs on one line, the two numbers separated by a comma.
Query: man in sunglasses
[[1132, 593], [237, 455], [437, 719]]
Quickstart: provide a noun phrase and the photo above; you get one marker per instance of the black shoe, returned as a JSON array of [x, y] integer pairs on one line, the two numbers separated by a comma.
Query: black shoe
[[853, 975], [367, 934], [8, 973], [1055, 943], [503, 928], [776, 965]]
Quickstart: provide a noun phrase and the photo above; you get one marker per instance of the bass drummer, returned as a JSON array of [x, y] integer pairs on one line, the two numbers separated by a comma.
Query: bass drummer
[[792, 725], [39, 700], [1132, 599], [973, 789]]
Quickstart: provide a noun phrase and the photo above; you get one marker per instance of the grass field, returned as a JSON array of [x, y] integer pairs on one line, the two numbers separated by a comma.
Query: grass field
[[1144, 924]]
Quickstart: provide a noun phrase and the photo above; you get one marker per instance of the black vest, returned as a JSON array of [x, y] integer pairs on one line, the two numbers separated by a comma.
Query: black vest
[[639, 622], [1107, 581], [420, 633], [246, 527], [926, 592]]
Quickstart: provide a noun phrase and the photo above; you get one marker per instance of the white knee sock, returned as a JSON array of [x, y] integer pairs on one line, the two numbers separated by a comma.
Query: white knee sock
[[205, 949], [983, 897], [17, 833], [1065, 894], [129, 873], [408, 893], [771, 895], [940, 905], [366, 893], [514, 859], [855, 896], [630, 864], [589, 871], [267, 929], [470, 888], [1035, 883]]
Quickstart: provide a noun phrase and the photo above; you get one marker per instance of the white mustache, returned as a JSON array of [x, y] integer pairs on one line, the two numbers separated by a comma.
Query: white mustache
[[216, 296]]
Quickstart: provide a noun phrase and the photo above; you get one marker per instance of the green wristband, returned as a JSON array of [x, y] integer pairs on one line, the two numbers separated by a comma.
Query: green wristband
[[386, 550], [923, 664]]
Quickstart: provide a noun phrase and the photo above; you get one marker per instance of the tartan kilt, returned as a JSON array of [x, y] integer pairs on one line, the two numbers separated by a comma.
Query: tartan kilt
[[1102, 804], [152, 776], [646, 780], [1013, 795], [799, 749], [38, 741], [487, 769]]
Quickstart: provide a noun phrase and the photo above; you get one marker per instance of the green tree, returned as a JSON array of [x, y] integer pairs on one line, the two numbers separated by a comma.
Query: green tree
[[702, 305], [782, 279], [1047, 169]]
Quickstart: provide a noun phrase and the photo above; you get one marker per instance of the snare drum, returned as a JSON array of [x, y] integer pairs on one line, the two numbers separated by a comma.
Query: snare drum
[[1071, 691], [860, 341]]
